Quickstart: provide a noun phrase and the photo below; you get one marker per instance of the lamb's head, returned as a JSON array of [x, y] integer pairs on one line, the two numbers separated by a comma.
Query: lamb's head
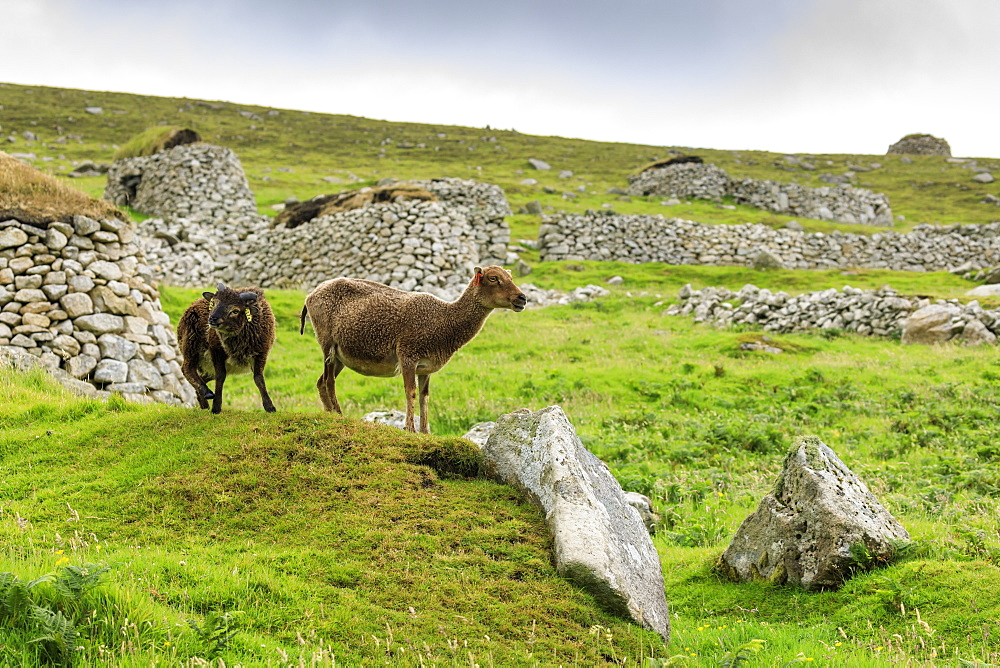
[[230, 310], [496, 289]]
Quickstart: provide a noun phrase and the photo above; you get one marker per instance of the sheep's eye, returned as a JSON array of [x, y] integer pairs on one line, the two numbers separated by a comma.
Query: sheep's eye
[[234, 311], [494, 279]]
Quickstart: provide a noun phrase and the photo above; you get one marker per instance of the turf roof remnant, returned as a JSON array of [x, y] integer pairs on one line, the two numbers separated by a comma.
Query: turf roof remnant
[[155, 140], [322, 205], [37, 199]]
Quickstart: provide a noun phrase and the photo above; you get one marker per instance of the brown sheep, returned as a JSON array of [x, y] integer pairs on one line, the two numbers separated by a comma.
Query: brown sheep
[[380, 331], [231, 331]]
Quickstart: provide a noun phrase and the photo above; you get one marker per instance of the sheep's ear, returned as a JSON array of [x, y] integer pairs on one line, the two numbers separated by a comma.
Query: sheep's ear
[[248, 297], [208, 295], [479, 276]]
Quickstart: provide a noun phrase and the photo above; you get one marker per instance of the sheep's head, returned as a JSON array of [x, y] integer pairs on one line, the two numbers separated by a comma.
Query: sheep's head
[[230, 310], [497, 289]]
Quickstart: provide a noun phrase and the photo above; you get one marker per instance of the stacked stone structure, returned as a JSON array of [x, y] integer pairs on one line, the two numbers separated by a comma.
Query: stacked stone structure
[[199, 182], [921, 145], [881, 312], [842, 203], [79, 297], [601, 235], [412, 245]]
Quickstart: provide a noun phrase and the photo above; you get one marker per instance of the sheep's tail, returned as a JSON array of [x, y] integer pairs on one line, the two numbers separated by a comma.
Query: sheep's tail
[[302, 319]]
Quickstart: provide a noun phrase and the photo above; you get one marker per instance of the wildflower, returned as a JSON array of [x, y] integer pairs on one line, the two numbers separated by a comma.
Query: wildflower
[[97, 547], [59, 551], [62, 560]]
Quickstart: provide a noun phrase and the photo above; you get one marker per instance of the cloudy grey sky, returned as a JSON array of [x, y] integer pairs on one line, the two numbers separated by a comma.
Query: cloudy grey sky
[[820, 76]]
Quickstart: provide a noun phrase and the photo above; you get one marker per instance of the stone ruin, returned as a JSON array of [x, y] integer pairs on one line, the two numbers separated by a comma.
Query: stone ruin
[[79, 297], [882, 312], [199, 182], [604, 235], [920, 145], [409, 244], [842, 203]]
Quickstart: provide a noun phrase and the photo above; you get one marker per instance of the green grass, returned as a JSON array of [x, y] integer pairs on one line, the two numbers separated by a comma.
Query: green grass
[[311, 146], [306, 525], [302, 537]]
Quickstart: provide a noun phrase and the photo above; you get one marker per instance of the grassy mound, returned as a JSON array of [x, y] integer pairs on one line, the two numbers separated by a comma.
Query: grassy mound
[[154, 140], [33, 197]]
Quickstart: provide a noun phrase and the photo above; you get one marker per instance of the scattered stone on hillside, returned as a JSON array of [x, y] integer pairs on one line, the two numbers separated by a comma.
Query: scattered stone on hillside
[[480, 433], [990, 289], [198, 182], [983, 177], [818, 527], [540, 165], [920, 144], [97, 111], [393, 418], [644, 505], [615, 280], [600, 541], [88, 168], [841, 203], [931, 324]]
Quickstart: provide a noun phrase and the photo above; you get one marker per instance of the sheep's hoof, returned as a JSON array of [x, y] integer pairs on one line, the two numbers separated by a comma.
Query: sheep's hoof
[[209, 394], [216, 411], [269, 409]]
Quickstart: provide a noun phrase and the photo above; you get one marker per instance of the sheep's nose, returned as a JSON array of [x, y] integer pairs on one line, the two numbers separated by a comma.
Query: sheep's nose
[[213, 322], [519, 302]]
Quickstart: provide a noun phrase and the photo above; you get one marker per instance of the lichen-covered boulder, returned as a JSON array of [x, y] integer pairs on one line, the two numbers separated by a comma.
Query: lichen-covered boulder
[[919, 144], [818, 526], [930, 324], [600, 541]]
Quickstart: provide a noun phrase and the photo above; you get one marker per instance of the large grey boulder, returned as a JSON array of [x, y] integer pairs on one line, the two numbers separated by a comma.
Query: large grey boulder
[[929, 325], [818, 526], [600, 541]]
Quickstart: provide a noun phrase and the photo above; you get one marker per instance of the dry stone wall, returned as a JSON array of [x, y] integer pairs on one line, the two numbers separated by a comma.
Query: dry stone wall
[[599, 235], [842, 203], [199, 182], [411, 245], [882, 312], [79, 297]]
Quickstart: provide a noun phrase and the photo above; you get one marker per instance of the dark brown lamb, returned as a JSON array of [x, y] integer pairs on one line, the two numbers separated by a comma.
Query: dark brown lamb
[[381, 331], [230, 331]]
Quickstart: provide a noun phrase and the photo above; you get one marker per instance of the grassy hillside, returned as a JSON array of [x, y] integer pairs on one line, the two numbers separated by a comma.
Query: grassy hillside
[[288, 153], [301, 538]]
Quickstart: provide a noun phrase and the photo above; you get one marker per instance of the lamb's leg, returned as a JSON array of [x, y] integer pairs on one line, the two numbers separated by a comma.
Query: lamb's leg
[[425, 391], [409, 372], [327, 383], [258, 379], [192, 354], [219, 362]]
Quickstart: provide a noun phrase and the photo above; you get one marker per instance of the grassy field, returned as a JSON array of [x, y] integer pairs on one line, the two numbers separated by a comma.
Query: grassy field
[[301, 538]]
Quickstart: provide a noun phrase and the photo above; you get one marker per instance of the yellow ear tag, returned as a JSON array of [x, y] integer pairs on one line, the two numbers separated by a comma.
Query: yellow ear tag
[[211, 304], [249, 317]]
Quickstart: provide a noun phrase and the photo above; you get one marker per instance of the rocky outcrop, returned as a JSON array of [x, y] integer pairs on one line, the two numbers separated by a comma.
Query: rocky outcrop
[[79, 297], [197, 182], [842, 203], [819, 526], [602, 235], [600, 540], [920, 145], [881, 312]]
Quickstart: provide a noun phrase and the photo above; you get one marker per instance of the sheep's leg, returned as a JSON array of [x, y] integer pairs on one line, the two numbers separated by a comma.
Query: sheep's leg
[[219, 362], [409, 372], [192, 353], [327, 383], [425, 392], [258, 379]]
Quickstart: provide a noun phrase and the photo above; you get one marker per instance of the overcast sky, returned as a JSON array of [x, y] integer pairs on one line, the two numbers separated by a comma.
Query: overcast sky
[[802, 76]]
